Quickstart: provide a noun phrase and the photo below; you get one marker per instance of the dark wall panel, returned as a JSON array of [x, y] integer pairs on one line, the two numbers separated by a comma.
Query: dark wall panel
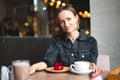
[[23, 48]]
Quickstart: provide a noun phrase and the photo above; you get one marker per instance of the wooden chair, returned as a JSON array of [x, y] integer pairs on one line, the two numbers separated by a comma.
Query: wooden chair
[[103, 62]]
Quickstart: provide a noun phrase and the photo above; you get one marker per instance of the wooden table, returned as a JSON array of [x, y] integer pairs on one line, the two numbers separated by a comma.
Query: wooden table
[[43, 75]]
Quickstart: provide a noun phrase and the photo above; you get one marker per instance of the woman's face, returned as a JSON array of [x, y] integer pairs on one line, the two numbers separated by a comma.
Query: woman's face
[[68, 21]]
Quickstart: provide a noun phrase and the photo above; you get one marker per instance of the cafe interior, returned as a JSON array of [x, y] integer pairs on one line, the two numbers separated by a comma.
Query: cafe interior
[[35, 17], [32, 22]]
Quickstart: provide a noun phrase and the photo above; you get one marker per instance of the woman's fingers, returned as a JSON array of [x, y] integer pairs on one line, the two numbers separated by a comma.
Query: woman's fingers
[[95, 68]]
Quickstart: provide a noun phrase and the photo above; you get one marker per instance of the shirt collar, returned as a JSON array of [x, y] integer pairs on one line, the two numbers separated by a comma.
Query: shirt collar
[[81, 37]]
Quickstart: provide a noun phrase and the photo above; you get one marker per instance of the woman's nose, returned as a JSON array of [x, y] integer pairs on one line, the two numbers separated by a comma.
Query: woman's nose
[[66, 23]]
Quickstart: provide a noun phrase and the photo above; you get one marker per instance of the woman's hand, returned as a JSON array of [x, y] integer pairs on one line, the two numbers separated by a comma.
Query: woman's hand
[[38, 66], [95, 68]]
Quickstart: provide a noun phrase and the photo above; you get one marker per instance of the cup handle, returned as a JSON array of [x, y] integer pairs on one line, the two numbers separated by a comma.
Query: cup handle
[[11, 72], [72, 67]]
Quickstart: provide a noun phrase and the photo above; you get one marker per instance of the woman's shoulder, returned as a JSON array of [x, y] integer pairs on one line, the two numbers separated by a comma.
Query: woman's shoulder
[[91, 38], [83, 36]]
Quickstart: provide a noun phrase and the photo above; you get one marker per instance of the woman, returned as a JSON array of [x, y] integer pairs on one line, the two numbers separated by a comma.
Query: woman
[[70, 44]]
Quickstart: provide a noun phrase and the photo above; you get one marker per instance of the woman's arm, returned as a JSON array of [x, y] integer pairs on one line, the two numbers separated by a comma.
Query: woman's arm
[[38, 66]]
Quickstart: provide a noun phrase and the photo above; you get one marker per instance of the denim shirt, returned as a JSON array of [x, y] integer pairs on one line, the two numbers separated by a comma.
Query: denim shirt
[[61, 49]]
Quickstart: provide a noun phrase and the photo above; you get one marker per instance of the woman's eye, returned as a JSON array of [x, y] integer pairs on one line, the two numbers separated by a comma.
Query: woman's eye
[[68, 19]]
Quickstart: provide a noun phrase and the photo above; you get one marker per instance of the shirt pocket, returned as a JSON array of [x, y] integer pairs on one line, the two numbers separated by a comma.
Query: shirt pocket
[[63, 56], [84, 55]]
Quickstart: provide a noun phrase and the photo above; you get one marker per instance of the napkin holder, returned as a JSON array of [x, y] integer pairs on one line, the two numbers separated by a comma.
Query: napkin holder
[[114, 74]]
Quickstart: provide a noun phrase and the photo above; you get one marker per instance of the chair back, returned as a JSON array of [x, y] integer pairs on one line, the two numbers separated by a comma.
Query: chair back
[[103, 62]]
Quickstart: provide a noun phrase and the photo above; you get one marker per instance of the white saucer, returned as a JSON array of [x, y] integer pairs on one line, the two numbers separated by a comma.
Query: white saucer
[[81, 72]]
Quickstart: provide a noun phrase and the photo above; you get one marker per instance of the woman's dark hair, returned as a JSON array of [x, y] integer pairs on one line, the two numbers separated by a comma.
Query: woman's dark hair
[[57, 29]]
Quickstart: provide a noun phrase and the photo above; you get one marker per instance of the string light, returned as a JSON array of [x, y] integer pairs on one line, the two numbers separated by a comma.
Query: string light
[[51, 4], [44, 8], [84, 14], [53, 1], [45, 1], [87, 32], [63, 4], [56, 3]]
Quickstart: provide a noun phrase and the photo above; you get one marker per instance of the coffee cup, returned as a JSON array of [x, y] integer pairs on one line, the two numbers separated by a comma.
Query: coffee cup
[[19, 70], [80, 66]]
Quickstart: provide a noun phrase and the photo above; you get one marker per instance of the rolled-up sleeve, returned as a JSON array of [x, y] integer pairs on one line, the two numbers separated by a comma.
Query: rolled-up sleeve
[[51, 54]]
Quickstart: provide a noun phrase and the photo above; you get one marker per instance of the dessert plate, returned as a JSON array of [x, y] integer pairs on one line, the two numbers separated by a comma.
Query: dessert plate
[[81, 72], [51, 69]]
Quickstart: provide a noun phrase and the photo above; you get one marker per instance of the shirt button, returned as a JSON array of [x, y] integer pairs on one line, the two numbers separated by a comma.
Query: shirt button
[[83, 56], [72, 54]]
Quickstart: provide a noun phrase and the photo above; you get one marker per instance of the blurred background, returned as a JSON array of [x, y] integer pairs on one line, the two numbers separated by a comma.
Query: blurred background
[[35, 17]]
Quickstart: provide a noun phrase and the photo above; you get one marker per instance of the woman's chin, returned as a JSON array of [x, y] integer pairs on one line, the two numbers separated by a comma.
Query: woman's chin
[[69, 31]]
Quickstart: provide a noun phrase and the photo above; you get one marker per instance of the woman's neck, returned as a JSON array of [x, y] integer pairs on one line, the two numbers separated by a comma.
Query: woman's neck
[[73, 35]]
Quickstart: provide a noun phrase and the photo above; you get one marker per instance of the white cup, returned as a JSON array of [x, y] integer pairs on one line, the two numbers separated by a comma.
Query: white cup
[[80, 66], [19, 70]]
